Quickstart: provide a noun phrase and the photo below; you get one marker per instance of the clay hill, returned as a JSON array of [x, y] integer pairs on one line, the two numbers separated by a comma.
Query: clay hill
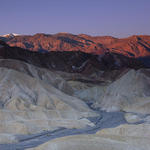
[[134, 46], [72, 99]]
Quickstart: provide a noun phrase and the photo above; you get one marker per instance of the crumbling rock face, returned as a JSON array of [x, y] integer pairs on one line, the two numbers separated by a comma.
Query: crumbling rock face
[[129, 93], [40, 73], [31, 102]]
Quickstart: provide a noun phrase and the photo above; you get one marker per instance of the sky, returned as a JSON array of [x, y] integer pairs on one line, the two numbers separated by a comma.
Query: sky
[[119, 18]]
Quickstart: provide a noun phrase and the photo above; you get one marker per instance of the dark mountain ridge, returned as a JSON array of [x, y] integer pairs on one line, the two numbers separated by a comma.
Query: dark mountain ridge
[[72, 61]]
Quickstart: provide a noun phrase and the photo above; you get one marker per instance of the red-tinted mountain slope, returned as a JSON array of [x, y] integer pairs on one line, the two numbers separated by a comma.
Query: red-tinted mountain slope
[[134, 46], [73, 61]]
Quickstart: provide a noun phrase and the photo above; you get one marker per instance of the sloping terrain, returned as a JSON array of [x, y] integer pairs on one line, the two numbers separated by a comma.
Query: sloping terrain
[[124, 137], [21, 92], [134, 46], [130, 93], [73, 100], [33, 99], [71, 61]]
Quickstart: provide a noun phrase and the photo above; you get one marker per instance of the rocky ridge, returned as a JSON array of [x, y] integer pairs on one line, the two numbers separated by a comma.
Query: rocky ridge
[[134, 46]]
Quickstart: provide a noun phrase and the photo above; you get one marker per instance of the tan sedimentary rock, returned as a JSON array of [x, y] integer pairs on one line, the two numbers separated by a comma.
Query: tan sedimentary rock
[[123, 137]]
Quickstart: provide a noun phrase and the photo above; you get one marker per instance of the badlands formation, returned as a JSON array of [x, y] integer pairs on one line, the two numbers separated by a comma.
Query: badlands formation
[[83, 107]]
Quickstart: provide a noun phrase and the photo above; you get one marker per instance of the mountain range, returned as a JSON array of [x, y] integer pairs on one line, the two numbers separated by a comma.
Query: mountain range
[[67, 91], [135, 46], [72, 61]]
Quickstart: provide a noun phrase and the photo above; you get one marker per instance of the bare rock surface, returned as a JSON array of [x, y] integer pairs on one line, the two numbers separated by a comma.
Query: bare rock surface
[[7, 138], [45, 75], [37, 102], [29, 105], [123, 137], [130, 93], [134, 46]]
